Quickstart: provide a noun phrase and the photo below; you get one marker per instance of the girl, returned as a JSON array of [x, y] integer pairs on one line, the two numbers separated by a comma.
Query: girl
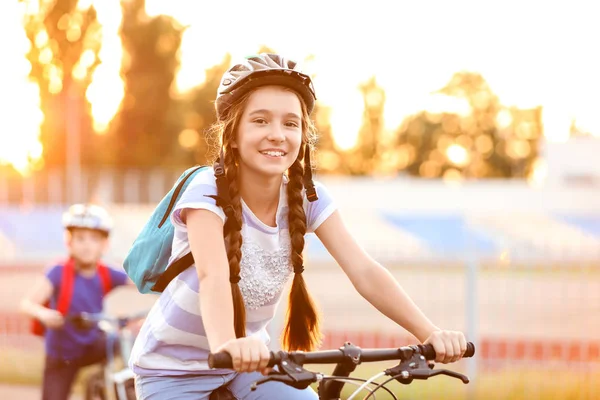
[[247, 238]]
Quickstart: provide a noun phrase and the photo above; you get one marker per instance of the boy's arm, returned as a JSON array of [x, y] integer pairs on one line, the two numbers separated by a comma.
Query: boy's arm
[[122, 279], [33, 302]]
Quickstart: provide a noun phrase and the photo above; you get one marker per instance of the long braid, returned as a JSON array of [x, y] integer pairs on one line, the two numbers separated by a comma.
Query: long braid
[[302, 326], [233, 238]]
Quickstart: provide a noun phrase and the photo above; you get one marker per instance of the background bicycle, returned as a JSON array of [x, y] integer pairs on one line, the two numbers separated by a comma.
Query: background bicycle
[[114, 380]]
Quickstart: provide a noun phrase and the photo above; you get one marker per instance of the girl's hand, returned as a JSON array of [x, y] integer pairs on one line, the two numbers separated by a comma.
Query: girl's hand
[[248, 354], [449, 346]]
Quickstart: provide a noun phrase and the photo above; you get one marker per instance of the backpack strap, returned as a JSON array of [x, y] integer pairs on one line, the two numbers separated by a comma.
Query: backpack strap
[[222, 198], [65, 292], [222, 201], [176, 194], [309, 185], [172, 271], [104, 274]]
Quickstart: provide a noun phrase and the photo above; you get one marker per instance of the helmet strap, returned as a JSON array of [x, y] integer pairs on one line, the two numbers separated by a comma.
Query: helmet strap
[[311, 192]]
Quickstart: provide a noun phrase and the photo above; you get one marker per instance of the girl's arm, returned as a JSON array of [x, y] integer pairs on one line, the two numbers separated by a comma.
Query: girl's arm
[[377, 285], [374, 282], [205, 234]]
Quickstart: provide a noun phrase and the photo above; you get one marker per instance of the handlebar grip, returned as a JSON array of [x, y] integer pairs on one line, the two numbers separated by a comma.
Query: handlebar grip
[[220, 360], [429, 352], [223, 360]]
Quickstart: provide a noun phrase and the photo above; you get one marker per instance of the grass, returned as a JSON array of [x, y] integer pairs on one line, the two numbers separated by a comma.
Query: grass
[[22, 367], [502, 384]]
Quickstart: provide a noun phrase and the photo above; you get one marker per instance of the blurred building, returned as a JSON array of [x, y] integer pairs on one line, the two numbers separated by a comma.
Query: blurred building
[[574, 163]]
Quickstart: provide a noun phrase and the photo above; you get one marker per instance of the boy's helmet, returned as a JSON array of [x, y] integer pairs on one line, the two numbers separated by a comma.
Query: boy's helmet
[[87, 216], [261, 70]]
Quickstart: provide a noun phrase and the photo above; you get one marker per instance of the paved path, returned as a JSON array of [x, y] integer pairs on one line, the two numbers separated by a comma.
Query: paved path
[[19, 392]]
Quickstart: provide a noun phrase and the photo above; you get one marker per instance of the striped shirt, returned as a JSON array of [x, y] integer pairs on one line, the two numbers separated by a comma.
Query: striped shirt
[[173, 340]]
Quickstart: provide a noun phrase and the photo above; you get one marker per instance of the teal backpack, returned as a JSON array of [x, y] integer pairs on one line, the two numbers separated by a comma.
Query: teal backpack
[[147, 262]]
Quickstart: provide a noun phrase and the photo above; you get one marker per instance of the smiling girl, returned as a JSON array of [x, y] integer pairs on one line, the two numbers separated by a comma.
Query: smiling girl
[[246, 253]]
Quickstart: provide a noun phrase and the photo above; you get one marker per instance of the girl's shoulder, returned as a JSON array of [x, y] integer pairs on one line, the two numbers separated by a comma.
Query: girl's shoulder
[[206, 176]]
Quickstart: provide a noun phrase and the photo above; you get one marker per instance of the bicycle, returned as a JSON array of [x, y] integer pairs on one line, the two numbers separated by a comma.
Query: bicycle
[[289, 368], [119, 337]]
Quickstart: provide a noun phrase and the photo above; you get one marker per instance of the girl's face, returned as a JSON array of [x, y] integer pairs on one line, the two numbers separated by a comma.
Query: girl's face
[[269, 132], [86, 245]]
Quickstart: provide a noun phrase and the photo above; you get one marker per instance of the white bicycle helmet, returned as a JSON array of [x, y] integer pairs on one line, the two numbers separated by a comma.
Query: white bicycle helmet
[[261, 70], [87, 216]]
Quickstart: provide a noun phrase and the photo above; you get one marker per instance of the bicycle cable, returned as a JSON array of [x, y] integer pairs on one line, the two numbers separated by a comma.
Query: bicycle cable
[[355, 381], [382, 386], [364, 385]]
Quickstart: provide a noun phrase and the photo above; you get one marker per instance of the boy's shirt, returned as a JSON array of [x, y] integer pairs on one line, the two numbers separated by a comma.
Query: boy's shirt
[[69, 342]]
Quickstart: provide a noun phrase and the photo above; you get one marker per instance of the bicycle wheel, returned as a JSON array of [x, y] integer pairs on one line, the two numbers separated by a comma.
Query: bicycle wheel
[[94, 387]]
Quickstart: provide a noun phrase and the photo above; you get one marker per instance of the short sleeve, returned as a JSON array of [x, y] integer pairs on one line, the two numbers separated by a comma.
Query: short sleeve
[[318, 211], [117, 278], [196, 196], [54, 275]]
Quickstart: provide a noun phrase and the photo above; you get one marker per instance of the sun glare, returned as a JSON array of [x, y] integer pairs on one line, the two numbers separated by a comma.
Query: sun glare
[[107, 88], [20, 112]]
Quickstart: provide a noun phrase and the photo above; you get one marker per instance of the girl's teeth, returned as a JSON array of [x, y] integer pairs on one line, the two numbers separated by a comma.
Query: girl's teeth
[[273, 154]]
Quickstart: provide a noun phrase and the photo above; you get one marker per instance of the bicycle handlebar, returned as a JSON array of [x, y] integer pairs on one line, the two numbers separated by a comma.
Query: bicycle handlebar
[[86, 320], [223, 359]]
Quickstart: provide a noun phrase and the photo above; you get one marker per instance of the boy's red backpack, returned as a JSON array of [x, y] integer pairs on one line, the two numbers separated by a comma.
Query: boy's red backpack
[[66, 292]]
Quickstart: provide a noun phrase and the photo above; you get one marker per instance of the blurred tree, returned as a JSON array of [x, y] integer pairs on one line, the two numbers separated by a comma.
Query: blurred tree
[[480, 125], [65, 41], [523, 129], [143, 132], [329, 159], [365, 157], [198, 109], [491, 141]]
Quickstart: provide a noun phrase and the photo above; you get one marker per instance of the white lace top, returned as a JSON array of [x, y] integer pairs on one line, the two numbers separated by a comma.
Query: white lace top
[[173, 340]]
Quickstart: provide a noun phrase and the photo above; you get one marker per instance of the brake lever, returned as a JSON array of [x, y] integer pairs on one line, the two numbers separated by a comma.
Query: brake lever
[[417, 367], [424, 374], [290, 373], [272, 377]]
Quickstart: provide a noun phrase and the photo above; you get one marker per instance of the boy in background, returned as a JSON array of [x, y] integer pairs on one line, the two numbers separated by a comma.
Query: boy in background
[[87, 280]]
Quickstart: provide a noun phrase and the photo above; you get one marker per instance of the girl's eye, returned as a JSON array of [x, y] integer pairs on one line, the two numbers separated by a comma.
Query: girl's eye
[[260, 121], [292, 124]]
